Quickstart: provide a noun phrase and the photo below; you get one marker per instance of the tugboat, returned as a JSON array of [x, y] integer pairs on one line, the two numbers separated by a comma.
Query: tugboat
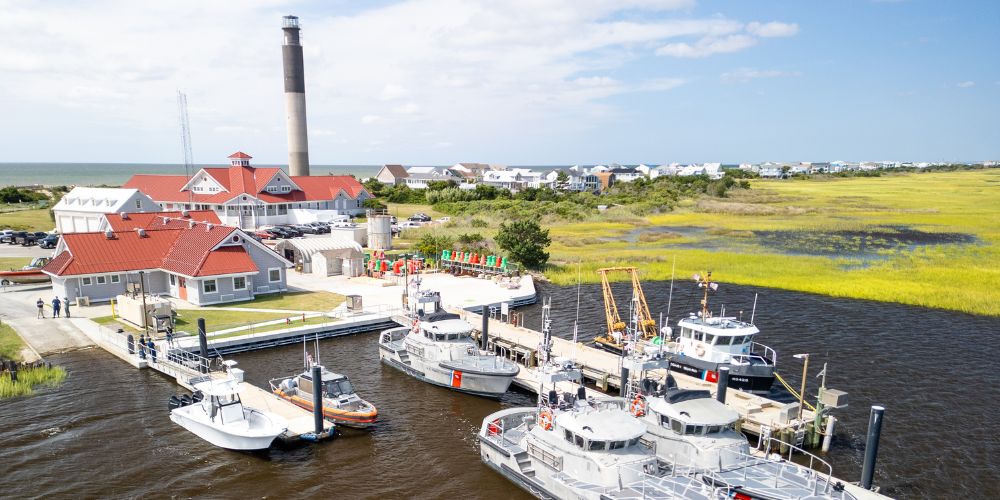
[[438, 349], [572, 446], [341, 404], [705, 343], [692, 430], [216, 414]]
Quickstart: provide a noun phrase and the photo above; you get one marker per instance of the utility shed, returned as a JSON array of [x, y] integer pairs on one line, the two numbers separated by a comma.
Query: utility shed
[[323, 256]]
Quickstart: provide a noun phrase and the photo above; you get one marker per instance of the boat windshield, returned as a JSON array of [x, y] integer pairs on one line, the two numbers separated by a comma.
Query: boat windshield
[[339, 387]]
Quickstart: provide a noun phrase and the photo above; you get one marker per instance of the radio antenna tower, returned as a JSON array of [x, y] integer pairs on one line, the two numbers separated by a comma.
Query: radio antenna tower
[[182, 111]]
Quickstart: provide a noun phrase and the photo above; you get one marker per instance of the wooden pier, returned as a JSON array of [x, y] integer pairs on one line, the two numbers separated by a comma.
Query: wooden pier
[[760, 416]]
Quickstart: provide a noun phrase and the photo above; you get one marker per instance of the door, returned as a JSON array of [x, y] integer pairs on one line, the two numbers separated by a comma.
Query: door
[[182, 290]]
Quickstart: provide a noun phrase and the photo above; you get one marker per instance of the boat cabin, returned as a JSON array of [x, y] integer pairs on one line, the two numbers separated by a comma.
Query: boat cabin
[[334, 385], [603, 430], [692, 413], [443, 327], [223, 400], [721, 340]]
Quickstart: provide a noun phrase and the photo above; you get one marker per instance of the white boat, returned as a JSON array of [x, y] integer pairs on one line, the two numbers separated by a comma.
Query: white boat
[[438, 349], [217, 415], [573, 447], [690, 429]]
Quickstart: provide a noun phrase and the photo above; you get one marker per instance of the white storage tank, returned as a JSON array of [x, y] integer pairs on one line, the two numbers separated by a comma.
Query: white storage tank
[[379, 232]]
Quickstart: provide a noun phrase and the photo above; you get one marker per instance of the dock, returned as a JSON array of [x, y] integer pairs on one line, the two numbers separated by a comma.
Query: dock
[[185, 368], [760, 416]]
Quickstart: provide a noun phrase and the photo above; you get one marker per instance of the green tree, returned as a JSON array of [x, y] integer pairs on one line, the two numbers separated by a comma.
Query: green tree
[[431, 244], [525, 241], [374, 204], [562, 180]]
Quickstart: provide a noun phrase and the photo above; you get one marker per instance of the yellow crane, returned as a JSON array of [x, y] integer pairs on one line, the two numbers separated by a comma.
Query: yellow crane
[[644, 323]]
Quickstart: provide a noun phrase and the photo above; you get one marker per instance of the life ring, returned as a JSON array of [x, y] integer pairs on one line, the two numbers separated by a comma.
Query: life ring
[[493, 428], [545, 420], [700, 350], [638, 406]]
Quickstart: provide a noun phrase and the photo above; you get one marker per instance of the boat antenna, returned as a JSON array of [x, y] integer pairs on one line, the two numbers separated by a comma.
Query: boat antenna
[[576, 322], [754, 312], [546, 347], [317, 348]]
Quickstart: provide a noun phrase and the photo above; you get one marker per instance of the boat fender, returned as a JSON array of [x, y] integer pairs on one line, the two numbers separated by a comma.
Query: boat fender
[[197, 397], [173, 403], [638, 406], [545, 420]]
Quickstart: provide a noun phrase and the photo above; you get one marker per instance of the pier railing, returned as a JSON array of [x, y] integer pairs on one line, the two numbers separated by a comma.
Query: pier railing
[[170, 359]]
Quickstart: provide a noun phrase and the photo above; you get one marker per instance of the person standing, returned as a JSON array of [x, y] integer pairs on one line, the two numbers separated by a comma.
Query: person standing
[[41, 308], [142, 346], [66, 305], [56, 304], [170, 336], [152, 349]]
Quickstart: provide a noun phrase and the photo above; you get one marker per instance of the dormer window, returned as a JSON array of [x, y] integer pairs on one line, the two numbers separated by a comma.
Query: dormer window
[[285, 189]]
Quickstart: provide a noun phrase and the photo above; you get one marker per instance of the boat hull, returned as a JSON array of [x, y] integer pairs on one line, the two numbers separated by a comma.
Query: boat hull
[[739, 379], [219, 437], [356, 420], [23, 277], [479, 384]]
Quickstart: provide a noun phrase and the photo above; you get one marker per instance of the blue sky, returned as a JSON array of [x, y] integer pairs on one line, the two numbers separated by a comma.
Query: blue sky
[[520, 82]]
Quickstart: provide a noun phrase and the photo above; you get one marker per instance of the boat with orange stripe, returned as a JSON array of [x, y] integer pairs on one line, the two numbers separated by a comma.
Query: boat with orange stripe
[[341, 404]]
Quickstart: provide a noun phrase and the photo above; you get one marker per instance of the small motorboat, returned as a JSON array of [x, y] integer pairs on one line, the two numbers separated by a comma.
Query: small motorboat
[[340, 403], [215, 413], [32, 273]]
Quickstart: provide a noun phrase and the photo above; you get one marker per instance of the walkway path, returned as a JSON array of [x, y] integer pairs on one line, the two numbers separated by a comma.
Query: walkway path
[[45, 336]]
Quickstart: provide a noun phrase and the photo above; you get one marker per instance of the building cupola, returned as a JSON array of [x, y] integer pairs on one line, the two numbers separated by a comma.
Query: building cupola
[[239, 159]]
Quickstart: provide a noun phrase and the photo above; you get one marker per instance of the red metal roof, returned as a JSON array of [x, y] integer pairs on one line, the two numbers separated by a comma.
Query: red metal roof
[[179, 250], [245, 181], [240, 155], [155, 220]]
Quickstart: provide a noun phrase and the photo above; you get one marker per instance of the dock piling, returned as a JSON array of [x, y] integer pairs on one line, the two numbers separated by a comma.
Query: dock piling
[[720, 392], [484, 339], [317, 376], [203, 344], [871, 447], [623, 386]]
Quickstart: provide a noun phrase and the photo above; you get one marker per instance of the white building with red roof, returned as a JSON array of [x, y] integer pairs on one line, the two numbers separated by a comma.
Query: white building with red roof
[[250, 197], [199, 262]]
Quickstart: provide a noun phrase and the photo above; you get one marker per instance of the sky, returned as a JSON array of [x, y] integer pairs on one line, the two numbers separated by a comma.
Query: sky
[[521, 82]]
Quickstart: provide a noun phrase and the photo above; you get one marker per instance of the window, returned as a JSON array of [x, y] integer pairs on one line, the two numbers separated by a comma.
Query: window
[[596, 445], [282, 209], [101, 280], [239, 283], [274, 274], [677, 426], [209, 286], [87, 282], [617, 445], [579, 441], [173, 280], [115, 278], [569, 435], [138, 204]]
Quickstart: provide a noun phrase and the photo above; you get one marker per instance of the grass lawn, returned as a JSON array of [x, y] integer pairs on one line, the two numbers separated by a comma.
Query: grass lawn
[[10, 343], [404, 210], [316, 320], [7, 263], [220, 319], [27, 220], [816, 227], [296, 301]]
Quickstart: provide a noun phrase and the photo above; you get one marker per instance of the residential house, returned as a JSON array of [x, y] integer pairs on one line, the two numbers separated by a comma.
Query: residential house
[[418, 177], [626, 174], [249, 197], [605, 180], [392, 175], [504, 179], [83, 208], [198, 262]]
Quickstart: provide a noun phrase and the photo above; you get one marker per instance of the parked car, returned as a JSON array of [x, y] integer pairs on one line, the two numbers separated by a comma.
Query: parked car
[[306, 229], [50, 241], [288, 228], [5, 235], [321, 228], [265, 235], [278, 232], [408, 224], [13, 240], [419, 217]]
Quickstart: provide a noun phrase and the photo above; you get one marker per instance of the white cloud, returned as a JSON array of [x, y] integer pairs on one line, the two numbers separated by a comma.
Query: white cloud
[[966, 84], [370, 119], [772, 29], [410, 108], [318, 132], [393, 91], [744, 75], [707, 46]]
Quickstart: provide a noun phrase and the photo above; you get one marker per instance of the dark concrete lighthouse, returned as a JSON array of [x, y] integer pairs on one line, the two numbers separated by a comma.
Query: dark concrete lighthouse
[[295, 97]]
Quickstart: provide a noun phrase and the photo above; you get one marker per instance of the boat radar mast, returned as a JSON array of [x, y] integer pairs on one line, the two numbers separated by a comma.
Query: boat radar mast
[[706, 283]]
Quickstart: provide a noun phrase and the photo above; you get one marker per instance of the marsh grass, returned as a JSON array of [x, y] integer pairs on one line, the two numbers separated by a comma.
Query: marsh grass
[[29, 379]]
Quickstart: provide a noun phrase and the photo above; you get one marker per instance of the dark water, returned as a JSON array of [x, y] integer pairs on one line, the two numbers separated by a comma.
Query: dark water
[[934, 371], [105, 431]]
